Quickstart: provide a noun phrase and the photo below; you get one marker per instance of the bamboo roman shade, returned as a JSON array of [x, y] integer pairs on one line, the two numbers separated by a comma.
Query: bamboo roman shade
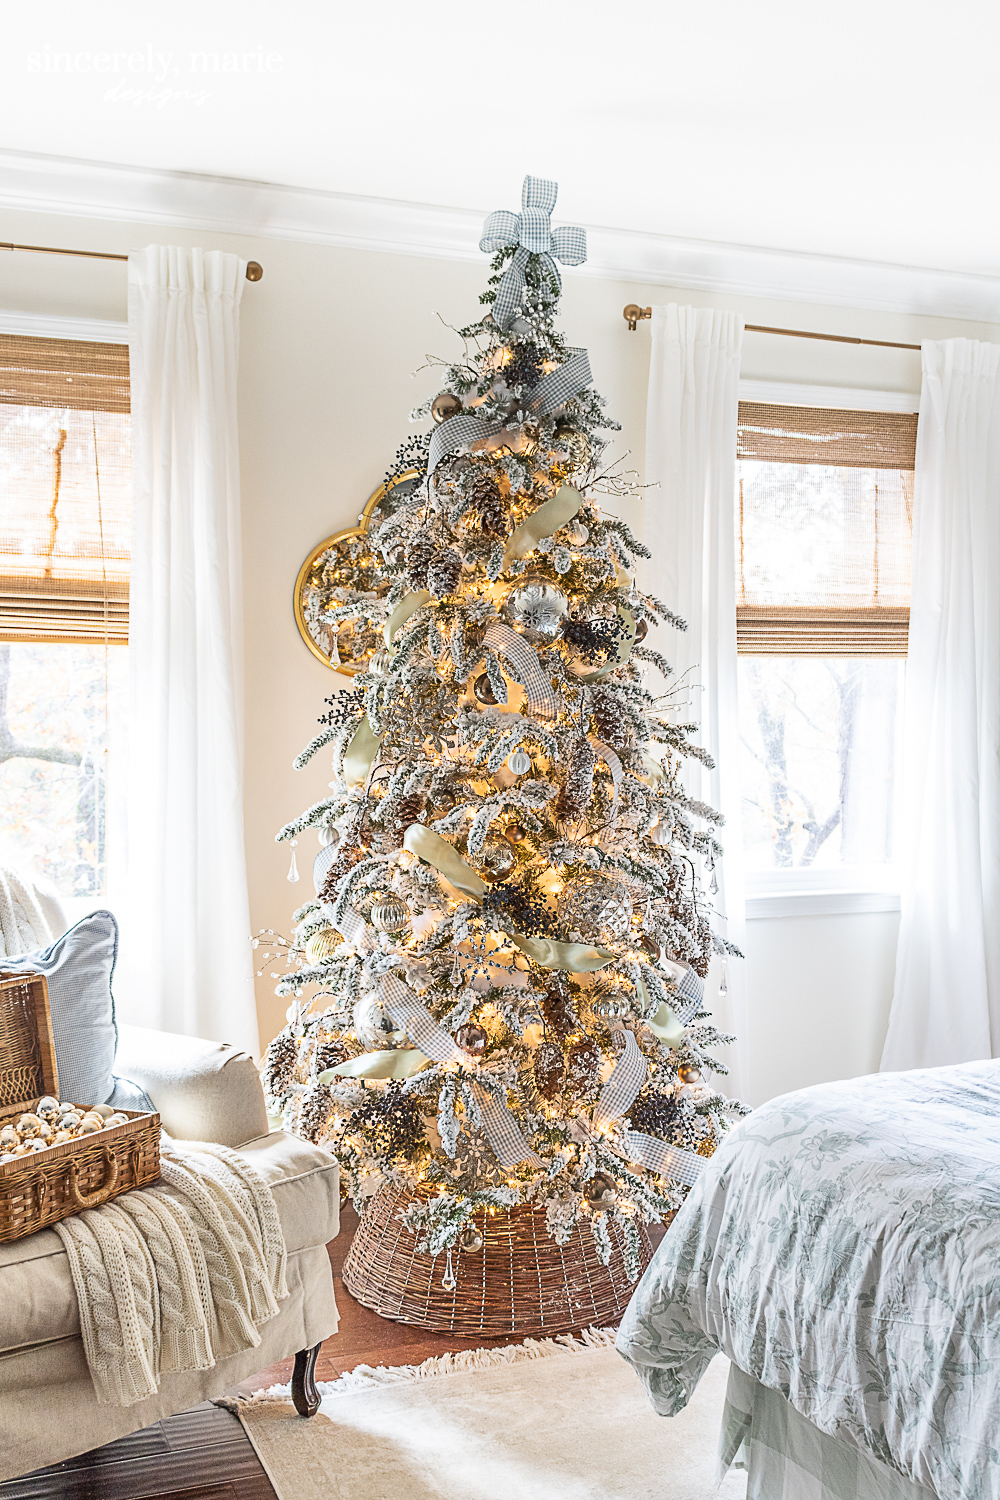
[[825, 518], [65, 506]]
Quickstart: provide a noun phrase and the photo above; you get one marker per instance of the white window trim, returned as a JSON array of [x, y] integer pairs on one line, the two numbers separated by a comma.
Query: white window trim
[[845, 891], [54, 326], [836, 397]]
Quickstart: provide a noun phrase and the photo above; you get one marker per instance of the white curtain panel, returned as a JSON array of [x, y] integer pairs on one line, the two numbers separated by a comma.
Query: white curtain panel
[[946, 1004], [691, 422], [185, 942]]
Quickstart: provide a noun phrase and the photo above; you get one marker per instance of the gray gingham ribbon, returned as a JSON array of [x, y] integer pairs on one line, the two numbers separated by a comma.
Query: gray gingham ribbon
[[502, 1130], [351, 926], [411, 1015], [553, 390], [322, 863], [525, 668], [614, 765], [531, 231], [627, 1078], [658, 1156], [561, 384], [688, 998]]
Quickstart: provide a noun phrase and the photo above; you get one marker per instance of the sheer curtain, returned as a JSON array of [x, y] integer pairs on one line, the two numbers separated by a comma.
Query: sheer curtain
[[946, 1004], [689, 528], [185, 947]]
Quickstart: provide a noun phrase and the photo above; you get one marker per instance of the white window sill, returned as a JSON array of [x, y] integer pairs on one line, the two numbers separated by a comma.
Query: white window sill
[[818, 903]]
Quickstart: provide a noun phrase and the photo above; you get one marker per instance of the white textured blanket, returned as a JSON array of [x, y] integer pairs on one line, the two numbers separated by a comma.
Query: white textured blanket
[[177, 1275]]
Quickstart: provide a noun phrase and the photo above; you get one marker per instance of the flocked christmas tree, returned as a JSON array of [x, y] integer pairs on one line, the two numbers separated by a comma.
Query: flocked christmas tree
[[498, 990]]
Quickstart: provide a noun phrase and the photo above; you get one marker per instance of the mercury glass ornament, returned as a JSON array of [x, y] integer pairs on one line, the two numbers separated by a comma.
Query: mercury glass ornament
[[574, 444], [519, 762], [641, 630], [390, 915], [605, 1009], [689, 1073], [597, 907], [600, 1192], [470, 1240], [496, 859], [471, 1039], [47, 1107], [373, 1023], [537, 608], [483, 689], [445, 405], [322, 945]]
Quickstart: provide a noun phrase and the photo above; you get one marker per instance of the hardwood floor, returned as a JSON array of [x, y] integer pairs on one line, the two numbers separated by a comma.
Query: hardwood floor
[[204, 1454]]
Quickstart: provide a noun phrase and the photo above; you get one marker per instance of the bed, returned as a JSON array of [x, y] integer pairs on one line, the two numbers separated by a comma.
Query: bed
[[843, 1249]]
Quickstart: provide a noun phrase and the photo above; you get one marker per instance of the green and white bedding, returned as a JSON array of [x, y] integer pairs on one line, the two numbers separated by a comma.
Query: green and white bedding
[[843, 1249]]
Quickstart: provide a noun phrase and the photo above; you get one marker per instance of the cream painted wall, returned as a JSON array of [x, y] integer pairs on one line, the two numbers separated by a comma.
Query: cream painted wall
[[329, 339]]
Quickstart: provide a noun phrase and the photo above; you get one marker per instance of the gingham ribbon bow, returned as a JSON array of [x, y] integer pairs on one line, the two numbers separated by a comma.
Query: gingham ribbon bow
[[531, 231]]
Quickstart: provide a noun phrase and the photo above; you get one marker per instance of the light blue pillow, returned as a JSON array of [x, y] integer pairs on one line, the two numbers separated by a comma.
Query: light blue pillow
[[78, 968]]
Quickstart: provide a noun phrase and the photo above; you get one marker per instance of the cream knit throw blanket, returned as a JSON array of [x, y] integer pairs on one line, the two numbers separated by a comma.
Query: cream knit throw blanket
[[178, 1275]]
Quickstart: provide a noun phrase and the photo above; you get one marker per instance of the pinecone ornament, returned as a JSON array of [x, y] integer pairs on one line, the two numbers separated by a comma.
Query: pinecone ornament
[[315, 1109], [443, 572], [280, 1065], [328, 1053], [549, 1069], [407, 810], [487, 498], [583, 1070], [578, 787], [611, 722], [418, 555], [558, 1012]]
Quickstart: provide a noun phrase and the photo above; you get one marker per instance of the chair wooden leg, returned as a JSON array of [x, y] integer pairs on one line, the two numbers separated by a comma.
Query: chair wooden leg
[[304, 1393]]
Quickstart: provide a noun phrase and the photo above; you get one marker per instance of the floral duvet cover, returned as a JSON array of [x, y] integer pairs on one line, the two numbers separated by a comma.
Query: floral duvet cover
[[843, 1247]]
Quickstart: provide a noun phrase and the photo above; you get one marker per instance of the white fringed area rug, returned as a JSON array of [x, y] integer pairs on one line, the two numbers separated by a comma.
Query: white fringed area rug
[[562, 1419]]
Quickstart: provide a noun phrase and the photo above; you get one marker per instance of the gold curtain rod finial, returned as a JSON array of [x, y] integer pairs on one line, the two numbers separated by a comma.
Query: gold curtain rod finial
[[254, 270], [633, 313]]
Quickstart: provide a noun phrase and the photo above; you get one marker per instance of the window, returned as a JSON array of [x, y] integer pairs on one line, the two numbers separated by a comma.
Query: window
[[65, 517], [824, 528]]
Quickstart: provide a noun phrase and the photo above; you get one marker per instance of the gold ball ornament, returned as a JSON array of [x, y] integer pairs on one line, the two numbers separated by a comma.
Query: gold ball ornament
[[28, 1125], [600, 1193], [390, 915], [470, 1240], [445, 405], [496, 859], [574, 444], [322, 945], [483, 689], [689, 1073]]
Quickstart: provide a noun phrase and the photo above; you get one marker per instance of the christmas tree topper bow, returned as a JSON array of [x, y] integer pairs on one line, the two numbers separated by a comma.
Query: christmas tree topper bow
[[532, 233]]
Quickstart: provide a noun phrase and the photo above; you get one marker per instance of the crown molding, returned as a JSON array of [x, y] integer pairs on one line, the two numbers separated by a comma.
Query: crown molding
[[52, 326], [226, 205]]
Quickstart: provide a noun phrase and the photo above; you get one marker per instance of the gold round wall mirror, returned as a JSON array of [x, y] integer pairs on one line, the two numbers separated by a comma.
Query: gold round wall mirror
[[340, 570]]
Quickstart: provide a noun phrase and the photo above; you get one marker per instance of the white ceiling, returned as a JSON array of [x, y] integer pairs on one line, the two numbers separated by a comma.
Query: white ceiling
[[868, 130]]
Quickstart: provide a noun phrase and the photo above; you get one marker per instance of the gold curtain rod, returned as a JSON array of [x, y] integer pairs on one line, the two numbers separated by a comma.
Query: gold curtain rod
[[254, 268], [633, 315]]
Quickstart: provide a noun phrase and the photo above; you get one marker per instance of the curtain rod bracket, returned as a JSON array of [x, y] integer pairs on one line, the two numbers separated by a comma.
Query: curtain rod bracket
[[633, 313]]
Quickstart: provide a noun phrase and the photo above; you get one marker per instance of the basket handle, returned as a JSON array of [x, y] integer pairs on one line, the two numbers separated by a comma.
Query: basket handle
[[101, 1194]]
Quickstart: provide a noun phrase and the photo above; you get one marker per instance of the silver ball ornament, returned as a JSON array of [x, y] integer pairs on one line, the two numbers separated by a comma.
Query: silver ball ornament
[[597, 907], [519, 762], [536, 608]]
